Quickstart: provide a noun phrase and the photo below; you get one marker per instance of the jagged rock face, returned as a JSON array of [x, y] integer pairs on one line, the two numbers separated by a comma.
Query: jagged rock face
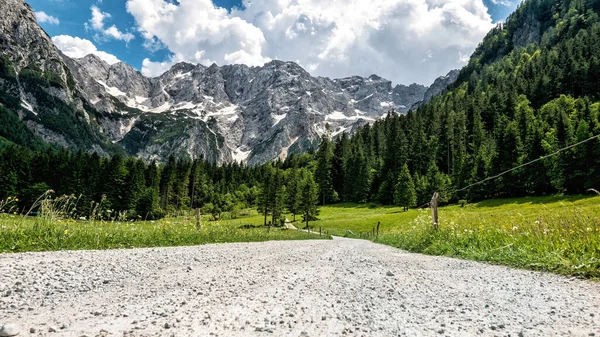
[[256, 113], [38, 86], [528, 32], [406, 96], [438, 86], [234, 112], [24, 42]]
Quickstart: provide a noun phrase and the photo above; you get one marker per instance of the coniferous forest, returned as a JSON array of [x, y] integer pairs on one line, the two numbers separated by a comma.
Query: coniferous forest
[[517, 100]]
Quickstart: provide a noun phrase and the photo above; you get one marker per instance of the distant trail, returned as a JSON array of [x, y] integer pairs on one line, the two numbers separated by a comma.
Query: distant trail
[[286, 288]]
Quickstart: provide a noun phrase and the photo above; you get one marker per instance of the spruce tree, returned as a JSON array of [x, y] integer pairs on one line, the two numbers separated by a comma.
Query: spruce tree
[[264, 205], [293, 192], [308, 197], [277, 196], [323, 172], [405, 189]]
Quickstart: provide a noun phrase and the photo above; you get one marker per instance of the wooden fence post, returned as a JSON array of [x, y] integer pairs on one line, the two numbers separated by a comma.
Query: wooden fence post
[[379, 223], [434, 210], [198, 219]]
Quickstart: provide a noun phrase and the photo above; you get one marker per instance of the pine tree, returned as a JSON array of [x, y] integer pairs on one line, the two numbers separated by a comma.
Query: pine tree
[[338, 169], [323, 173], [293, 192], [115, 187], [277, 196], [264, 197], [308, 197], [405, 189], [167, 177], [136, 183], [358, 177]]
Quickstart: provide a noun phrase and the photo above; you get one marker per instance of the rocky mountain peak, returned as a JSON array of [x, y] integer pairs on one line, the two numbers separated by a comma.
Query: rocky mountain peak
[[25, 43], [233, 112], [95, 66]]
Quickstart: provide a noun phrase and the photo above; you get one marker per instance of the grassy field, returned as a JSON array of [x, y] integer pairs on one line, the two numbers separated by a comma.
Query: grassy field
[[26, 234], [558, 234]]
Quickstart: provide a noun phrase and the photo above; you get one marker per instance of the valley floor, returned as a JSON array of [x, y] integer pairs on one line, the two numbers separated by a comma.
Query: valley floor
[[560, 234], [286, 288]]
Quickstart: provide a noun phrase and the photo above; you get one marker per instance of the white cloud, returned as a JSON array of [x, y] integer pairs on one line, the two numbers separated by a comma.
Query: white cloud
[[42, 17], [76, 48], [153, 69], [97, 23], [506, 3], [199, 32], [403, 40]]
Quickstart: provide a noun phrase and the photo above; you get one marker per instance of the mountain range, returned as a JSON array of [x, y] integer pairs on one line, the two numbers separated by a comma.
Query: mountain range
[[221, 113]]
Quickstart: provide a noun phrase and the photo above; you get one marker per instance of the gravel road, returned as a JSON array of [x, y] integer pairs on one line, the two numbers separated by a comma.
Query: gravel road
[[299, 288]]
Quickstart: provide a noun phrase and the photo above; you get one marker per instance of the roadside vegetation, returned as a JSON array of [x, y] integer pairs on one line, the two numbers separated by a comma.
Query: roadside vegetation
[[555, 234], [52, 228], [559, 234], [19, 234]]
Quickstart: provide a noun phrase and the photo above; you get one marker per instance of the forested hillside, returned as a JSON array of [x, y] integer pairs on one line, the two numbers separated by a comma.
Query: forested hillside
[[531, 88]]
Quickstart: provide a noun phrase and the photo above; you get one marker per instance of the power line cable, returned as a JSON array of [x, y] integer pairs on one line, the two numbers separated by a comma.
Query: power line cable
[[520, 166], [527, 164]]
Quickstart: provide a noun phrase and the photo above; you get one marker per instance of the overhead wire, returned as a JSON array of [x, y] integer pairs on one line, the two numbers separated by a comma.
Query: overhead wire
[[520, 166]]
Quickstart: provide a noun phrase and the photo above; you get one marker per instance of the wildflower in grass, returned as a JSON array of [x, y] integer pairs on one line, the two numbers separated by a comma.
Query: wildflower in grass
[[66, 232], [515, 228], [537, 222]]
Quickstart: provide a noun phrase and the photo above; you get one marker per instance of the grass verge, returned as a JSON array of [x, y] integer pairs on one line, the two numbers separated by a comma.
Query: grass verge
[[556, 234], [19, 234]]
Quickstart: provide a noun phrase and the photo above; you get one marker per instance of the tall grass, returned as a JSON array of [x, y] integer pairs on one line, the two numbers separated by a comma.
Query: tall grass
[[53, 228], [563, 241], [557, 234]]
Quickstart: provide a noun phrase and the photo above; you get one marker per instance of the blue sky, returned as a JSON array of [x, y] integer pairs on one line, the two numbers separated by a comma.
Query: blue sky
[[126, 30]]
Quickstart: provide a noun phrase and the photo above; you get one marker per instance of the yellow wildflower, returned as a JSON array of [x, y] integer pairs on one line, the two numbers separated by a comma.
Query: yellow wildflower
[[16, 199], [66, 231]]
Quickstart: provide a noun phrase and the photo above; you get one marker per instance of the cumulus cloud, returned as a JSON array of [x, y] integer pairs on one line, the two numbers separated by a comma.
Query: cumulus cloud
[[506, 3], [76, 48], [42, 17], [96, 23], [403, 40], [198, 32]]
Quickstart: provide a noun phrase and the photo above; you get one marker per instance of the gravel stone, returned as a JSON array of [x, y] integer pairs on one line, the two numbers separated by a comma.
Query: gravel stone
[[8, 330], [286, 288]]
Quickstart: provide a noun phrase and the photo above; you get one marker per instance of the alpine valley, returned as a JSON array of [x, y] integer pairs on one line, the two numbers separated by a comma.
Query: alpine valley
[[222, 114]]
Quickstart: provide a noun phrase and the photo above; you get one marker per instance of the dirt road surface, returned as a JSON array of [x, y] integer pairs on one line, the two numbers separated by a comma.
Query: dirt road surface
[[340, 287]]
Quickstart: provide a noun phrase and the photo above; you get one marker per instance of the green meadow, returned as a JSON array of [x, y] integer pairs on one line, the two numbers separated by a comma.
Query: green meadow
[[25, 234], [557, 234]]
